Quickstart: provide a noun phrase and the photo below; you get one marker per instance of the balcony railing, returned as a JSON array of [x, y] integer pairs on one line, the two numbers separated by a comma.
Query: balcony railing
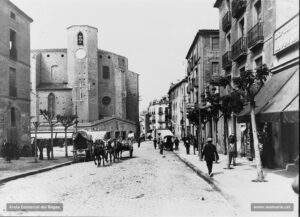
[[226, 60], [13, 54], [255, 35], [226, 21], [238, 8], [160, 121], [239, 49], [160, 113]]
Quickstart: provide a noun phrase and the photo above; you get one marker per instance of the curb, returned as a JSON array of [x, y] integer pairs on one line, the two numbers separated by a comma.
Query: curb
[[210, 181], [33, 172]]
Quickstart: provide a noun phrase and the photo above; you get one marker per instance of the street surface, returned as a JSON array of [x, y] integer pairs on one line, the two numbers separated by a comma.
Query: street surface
[[147, 184]]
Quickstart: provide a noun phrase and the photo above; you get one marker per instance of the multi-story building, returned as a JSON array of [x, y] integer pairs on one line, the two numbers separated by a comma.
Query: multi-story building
[[158, 111], [177, 109], [203, 65], [256, 32], [84, 80], [15, 74]]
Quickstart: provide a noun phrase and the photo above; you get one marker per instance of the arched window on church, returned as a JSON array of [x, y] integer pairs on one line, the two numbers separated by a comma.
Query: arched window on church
[[80, 38], [51, 104]]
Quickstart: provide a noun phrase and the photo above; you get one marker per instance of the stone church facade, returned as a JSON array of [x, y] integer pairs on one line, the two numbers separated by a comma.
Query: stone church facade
[[83, 79]]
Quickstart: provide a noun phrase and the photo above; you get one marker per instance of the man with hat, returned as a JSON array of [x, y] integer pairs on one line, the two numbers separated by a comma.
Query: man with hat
[[209, 152]]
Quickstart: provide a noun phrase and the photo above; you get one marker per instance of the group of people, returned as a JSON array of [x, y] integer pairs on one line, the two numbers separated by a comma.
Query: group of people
[[10, 150]]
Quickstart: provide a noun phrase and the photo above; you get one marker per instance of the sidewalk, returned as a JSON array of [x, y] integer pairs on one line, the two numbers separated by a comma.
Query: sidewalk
[[236, 187], [26, 166]]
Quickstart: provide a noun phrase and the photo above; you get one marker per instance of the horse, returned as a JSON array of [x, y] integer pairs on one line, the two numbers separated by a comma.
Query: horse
[[110, 150], [117, 148], [99, 152]]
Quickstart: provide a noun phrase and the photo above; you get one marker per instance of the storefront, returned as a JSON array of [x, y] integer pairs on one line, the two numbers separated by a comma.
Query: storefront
[[277, 116]]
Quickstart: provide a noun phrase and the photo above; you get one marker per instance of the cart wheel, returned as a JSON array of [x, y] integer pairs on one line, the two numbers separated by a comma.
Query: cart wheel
[[131, 151]]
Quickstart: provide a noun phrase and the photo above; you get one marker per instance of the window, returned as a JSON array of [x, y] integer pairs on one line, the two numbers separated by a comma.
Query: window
[[13, 15], [106, 100], [106, 74], [12, 45], [215, 43], [228, 42], [51, 104], [80, 38], [13, 116], [258, 62], [257, 12], [241, 29], [12, 82], [53, 72], [215, 68]]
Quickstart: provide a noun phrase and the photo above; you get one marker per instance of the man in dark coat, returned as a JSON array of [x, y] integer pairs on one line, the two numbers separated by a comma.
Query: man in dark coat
[[186, 141], [154, 142], [209, 153], [176, 143]]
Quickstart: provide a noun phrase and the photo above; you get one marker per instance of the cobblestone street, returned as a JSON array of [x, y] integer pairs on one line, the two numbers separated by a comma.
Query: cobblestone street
[[147, 184]]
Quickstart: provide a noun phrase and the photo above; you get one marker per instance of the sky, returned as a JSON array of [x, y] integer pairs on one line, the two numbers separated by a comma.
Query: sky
[[155, 35]]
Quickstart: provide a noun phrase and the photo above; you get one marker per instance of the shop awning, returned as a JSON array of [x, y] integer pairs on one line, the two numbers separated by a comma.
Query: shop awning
[[61, 135], [278, 95]]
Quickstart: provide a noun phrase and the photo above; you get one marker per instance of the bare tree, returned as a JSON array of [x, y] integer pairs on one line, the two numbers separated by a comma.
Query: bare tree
[[49, 116], [66, 121]]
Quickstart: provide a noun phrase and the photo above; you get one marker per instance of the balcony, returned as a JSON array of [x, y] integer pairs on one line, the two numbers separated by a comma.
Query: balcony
[[255, 36], [226, 60], [226, 21], [161, 121], [238, 8], [13, 54], [239, 49]]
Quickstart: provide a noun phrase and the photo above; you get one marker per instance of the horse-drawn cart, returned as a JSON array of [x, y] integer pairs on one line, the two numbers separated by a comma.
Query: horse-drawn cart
[[83, 142], [82, 145]]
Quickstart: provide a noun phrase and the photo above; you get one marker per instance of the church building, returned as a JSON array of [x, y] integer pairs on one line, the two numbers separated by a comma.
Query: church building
[[84, 80]]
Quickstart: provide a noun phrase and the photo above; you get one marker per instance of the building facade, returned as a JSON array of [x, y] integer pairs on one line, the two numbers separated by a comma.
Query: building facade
[[81, 79], [251, 35], [15, 74], [158, 111], [177, 108], [203, 65]]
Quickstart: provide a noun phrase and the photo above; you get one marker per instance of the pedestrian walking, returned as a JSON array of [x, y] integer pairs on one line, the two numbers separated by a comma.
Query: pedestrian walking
[[160, 143], [195, 143], [7, 151], [186, 141], [139, 141], [231, 149], [210, 154], [155, 142], [176, 141]]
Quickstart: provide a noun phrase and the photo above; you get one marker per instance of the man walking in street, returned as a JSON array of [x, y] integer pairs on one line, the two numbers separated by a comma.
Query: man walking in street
[[139, 141], [186, 141], [160, 144], [155, 142], [176, 143], [209, 153]]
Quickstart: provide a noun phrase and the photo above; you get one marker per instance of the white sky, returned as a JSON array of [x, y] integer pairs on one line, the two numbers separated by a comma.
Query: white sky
[[154, 35]]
